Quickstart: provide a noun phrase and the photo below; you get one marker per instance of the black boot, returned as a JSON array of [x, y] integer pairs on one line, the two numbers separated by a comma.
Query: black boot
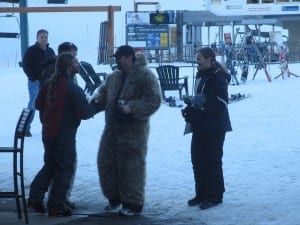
[[194, 201]]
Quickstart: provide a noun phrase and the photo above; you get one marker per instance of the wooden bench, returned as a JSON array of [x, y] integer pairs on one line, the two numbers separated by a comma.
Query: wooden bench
[[169, 80]]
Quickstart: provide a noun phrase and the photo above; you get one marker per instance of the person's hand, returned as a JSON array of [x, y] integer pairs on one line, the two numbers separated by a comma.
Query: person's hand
[[125, 108], [190, 114], [96, 104], [186, 113]]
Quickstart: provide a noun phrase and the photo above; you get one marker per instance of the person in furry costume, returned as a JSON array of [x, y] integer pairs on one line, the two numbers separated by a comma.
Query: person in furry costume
[[129, 96]]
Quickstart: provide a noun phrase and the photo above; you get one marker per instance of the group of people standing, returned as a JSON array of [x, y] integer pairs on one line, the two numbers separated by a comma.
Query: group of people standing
[[129, 96]]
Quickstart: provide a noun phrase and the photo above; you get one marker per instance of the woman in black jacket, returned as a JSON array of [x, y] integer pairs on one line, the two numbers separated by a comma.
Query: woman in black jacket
[[209, 119]]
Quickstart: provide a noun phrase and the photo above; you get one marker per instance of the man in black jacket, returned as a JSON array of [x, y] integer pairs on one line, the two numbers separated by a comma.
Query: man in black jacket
[[33, 64]]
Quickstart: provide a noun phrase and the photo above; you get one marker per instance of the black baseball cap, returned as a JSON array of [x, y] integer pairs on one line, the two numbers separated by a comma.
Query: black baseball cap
[[124, 50]]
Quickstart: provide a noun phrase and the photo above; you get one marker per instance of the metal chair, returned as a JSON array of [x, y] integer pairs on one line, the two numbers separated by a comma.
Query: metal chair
[[18, 176]]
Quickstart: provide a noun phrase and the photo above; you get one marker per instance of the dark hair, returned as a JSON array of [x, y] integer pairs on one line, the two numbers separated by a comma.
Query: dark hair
[[63, 63], [41, 31], [125, 50], [66, 47], [208, 52]]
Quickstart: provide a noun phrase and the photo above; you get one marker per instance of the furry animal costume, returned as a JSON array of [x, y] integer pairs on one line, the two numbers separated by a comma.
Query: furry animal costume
[[123, 146]]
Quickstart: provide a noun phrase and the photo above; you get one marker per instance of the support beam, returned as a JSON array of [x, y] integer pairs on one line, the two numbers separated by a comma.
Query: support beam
[[110, 33], [24, 29], [11, 1], [109, 9], [136, 4], [59, 9], [9, 35]]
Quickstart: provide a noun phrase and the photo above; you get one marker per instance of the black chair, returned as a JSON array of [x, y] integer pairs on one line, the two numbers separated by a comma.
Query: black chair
[[169, 80], [91, 78], [18, 176]]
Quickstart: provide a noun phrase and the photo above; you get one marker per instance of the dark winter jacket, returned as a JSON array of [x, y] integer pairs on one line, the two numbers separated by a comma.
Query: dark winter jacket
[[48, 70], [62, 119], [213, 117], [35, 59]]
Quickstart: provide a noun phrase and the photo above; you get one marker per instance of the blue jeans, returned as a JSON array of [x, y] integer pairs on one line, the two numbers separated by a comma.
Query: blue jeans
[[33, 89]]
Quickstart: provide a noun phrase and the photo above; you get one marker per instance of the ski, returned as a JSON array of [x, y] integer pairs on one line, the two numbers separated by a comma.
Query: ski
[[237, 97]]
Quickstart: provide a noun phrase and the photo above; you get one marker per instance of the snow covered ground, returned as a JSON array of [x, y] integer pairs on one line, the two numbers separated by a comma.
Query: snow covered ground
[[261, 156]]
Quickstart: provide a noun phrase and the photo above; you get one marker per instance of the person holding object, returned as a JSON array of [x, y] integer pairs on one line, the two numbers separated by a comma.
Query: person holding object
[[209, 118], [129, 96]]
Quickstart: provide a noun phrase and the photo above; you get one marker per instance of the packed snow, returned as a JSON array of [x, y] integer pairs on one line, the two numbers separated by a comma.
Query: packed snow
[[261, 155]]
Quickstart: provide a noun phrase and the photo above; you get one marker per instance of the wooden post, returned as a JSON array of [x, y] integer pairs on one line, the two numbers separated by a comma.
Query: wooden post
[[58, 9], [109, 9], [110, 32]]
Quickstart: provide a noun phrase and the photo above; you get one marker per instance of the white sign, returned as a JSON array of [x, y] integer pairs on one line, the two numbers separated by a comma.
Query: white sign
[[137, 18]]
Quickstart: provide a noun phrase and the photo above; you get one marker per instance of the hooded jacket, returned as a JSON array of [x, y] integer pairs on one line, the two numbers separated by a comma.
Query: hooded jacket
[[213, 116]]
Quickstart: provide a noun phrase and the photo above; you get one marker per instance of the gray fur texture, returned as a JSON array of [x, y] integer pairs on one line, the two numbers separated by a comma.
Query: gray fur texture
[[123, 146]]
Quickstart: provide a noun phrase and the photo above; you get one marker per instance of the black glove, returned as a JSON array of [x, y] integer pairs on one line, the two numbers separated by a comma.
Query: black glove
[[191, 114]]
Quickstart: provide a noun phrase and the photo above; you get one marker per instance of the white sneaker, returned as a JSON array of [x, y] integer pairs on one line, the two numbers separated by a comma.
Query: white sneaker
[[128, 212], [112, 208]]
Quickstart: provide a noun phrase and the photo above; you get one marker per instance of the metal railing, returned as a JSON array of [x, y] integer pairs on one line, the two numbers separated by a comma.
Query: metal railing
[[187, 53]]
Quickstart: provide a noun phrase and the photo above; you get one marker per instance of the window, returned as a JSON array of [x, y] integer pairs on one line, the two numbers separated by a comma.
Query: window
[[267, 1]]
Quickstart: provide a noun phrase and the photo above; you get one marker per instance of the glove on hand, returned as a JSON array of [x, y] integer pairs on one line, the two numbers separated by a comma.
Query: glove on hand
[[199, 100], [191, 114]]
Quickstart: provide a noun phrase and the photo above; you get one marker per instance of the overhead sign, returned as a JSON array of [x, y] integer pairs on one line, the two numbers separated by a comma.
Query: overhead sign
[[165, 17], [151, 36], [159, 18]]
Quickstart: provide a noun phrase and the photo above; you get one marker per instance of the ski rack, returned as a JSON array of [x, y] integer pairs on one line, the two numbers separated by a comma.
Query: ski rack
[[261, 62], [245, 52], [229, 52]]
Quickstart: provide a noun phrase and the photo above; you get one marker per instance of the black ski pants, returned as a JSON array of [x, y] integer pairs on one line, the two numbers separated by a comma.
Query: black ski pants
[[58, 170], [206, 156]]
